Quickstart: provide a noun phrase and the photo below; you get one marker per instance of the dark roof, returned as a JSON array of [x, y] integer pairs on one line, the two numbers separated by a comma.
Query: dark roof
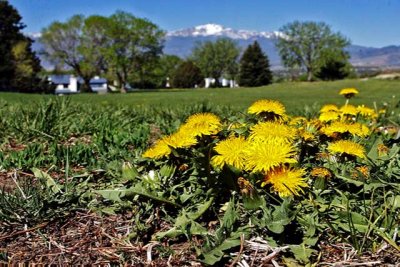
[[99, 80], [59, 79]]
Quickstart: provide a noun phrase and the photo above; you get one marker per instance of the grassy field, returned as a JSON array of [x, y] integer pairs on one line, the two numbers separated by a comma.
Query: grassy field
[[134, 179], [294, 95]]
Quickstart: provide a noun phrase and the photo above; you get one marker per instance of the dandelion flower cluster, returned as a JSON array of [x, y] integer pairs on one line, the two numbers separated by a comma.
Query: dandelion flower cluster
[[196, 125]]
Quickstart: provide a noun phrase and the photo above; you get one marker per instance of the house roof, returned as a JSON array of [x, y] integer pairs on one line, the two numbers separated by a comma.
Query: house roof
[[59, 79], [64, 79]]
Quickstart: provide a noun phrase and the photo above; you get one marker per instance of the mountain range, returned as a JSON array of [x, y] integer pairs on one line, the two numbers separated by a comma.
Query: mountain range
[[181, 43]]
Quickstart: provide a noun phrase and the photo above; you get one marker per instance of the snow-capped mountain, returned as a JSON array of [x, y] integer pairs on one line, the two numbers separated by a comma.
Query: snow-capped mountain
[[219, 30], [182, 42]]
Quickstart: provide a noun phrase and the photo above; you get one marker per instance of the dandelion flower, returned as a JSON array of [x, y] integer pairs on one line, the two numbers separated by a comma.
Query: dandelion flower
[[202, 124], [262, 156], [265, 130], [329, 116], [349, 110], [321, 172], [329, 107], [159, 150], [347, 147], [348, 92], [366, 112], [230, 151], [270, 109], [180, 139], [286, 181]]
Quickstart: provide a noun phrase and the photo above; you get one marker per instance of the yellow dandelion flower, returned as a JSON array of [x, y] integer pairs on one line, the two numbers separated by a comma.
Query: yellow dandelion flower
[[261, 156], [265, 130], [231, 151], [347, 147], [159, 150], [348, 92], [202, 124], [321, 172], [329, 116], [348, 110], [180, 139], [359, 129], [337, 127], [329, 107], [286, 181], [270, 109], [366, 112]]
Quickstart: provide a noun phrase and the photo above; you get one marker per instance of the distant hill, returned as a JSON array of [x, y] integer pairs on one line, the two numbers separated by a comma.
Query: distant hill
[[181, 43]]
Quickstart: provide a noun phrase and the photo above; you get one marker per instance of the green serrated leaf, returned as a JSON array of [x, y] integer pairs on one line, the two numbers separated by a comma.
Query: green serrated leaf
[[113, 194], [214, 255]]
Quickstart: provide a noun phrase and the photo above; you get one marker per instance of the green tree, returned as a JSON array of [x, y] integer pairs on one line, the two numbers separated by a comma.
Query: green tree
[[187, 75], [217, 59], [69, 45], [19, 66], [334, 69], [133, 45], [254, 67], [308, 44]]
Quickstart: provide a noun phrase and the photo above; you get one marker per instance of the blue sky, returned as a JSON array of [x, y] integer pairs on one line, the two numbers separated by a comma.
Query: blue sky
[[365, 22]]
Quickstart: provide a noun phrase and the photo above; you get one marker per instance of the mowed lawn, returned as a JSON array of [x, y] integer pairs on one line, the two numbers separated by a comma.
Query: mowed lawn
[[295, 95]]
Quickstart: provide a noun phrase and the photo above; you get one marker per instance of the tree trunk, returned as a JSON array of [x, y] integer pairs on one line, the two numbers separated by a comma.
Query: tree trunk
[[309, 75], [86, 86]]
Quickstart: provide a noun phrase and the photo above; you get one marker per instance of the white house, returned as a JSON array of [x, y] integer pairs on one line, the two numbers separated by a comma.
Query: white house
[[69, 84], [224, 82]]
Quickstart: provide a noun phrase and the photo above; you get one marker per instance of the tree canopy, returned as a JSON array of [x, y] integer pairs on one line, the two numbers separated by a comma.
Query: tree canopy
[[121, 46], [187, 75], [254, 67], [19, 66], [217, 59], [309, 45]]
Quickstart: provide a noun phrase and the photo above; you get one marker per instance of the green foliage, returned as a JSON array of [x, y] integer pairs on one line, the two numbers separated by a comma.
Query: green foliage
[[187, 75], [309, 45], [334, 69], [122, 47], [217, 59], [19, 66], [254, 67], [66, 155]]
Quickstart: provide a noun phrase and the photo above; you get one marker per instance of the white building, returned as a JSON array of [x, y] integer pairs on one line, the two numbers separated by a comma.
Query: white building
[[69, 84]]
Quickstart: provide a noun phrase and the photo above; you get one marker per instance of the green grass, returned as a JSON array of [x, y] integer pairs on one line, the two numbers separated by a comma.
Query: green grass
[[294, 95]]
